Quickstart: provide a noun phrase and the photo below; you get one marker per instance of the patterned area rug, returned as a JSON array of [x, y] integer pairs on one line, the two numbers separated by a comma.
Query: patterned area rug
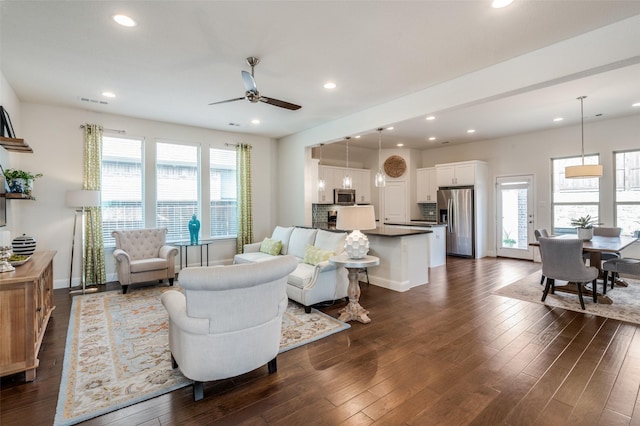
[[117, 351], [625, 306]]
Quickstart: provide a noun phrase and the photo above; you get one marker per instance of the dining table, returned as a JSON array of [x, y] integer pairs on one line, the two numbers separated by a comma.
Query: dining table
[[595, 247]]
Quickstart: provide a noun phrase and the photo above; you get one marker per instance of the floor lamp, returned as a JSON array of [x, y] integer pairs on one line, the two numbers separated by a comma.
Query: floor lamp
[[81, 200]]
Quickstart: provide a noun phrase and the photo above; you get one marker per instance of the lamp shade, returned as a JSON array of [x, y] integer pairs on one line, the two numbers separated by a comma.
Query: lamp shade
[[83, 198], [356, 218], [583, 171]]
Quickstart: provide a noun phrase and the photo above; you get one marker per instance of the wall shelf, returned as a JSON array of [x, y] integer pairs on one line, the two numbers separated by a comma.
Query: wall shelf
[[15, 144], [16, 196]]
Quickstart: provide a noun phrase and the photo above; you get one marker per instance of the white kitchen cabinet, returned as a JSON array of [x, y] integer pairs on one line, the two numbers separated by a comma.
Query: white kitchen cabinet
[[362, 185], [457, 174], [326, 196], [333, 176], [427, 187]]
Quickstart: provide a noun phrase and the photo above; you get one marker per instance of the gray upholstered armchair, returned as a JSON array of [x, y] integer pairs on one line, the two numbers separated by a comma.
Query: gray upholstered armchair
[[142, 255], [228, 321]]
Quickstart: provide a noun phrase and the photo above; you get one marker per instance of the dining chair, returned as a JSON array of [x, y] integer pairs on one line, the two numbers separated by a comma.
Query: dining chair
[[541, 233], [562, 260], [617, 266]]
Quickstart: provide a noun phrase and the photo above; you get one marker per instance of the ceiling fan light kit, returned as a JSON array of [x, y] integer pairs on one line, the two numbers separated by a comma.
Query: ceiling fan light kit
[[583, 171], [252, 94]]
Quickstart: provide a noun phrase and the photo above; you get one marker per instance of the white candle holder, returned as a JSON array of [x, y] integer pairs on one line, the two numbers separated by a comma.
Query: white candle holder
[[5, 254]]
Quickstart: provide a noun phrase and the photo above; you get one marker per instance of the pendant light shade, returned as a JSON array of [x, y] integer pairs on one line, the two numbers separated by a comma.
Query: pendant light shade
[[380, 179], [346, 180], [321, 175], [583, 171]]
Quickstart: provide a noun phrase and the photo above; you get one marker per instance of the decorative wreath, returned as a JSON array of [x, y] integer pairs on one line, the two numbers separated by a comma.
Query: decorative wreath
[[395, 166]]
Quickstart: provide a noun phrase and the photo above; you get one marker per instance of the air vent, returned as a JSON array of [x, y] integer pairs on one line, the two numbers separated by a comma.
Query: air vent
[[94, 101], [444, 142]]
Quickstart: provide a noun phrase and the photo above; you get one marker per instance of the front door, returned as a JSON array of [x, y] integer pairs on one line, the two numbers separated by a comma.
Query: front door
[[515, 216]]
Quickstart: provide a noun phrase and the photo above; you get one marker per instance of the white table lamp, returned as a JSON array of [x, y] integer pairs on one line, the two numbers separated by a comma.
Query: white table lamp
[[356, 219], [80, 200]]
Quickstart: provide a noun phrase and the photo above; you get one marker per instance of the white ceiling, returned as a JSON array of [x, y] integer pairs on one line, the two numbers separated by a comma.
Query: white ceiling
[[183, 55]]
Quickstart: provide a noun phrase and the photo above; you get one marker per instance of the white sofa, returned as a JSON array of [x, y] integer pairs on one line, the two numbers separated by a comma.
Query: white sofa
[[310, 283]]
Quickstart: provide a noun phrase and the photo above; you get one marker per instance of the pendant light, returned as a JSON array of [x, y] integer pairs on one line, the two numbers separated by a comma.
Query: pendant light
[[321, 177], [381, 179], [346, 180], [584, 170]]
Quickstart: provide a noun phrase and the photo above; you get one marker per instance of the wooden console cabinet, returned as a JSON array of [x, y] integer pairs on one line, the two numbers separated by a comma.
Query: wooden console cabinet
[[26, 303]]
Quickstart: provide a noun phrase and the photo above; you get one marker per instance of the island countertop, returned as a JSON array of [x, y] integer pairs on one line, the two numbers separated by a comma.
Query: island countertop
[[388, 231], [416, 223]]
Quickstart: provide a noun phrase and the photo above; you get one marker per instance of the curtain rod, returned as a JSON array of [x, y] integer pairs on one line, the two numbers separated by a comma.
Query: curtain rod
[[236, 144], [122, 132]]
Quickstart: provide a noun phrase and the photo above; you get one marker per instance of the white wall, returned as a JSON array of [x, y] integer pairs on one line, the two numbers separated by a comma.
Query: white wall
[[56, 138], [11, 104]]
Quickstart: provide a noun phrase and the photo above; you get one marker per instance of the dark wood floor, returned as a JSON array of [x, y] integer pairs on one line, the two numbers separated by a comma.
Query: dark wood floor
[[448, 353]]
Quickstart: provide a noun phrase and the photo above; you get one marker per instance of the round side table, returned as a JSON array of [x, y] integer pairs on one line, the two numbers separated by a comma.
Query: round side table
[[353, 311]]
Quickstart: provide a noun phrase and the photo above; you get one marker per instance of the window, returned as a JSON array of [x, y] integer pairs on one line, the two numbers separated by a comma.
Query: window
[[122, 206], [222, 176], [573, 198], [177, 188], [627, 196]]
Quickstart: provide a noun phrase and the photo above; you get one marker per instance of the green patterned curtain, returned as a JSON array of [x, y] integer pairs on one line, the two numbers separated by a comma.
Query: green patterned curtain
[[94, 271], [244, 203]]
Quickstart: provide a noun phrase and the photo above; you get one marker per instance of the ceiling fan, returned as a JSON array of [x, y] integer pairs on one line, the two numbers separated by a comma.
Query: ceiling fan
[[252, 94]]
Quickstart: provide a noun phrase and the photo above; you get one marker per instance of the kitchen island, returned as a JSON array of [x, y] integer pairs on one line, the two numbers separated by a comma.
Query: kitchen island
[[437, 240], [403, 254]]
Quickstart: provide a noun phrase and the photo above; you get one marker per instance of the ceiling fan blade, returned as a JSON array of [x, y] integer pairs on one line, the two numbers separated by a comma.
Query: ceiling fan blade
[[279, 103], [249, 82], [228, 100]]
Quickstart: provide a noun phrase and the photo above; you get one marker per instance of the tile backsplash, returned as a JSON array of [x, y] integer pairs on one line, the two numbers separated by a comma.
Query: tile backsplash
[[429, 211]]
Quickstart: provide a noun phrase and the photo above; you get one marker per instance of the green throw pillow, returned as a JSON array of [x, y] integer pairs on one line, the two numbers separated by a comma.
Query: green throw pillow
[[271, 247], [314, 255]]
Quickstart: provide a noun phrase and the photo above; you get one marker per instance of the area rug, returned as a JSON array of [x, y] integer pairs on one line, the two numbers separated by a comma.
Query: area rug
[[117, 351], [625, 306]]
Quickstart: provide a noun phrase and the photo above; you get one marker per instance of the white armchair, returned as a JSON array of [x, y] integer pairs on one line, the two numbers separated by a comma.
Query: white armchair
[[228, 321], [142, 255]]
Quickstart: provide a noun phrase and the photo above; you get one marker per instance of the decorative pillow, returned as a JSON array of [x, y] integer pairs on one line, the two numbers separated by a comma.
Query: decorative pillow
[[314, 255], [271, 247]]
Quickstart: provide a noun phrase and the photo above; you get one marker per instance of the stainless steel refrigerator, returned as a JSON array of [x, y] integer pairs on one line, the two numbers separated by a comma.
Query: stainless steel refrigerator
[[456, 210]]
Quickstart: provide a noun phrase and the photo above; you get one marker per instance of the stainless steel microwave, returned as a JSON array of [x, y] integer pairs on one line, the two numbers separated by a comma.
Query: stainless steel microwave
[[344, 197]]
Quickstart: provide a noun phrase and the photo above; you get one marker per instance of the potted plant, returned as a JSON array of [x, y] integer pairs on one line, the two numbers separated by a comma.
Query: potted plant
[[507, 241], [20, 181], [584, 226]]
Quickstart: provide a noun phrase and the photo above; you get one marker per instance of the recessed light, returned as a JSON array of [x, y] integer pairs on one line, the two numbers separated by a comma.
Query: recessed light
[[637, 104], [330, 85], [390, 128], [432, 138], [255, 121], [497, 4], [558, 119], [124, 20], [431, 117], [357, 136], [471, 131], [108, 94], [400, 144]]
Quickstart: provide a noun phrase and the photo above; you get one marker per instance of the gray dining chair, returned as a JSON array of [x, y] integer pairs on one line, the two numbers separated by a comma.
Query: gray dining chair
[[541, 233], [562, 260], [617, 266], [603, 231]]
